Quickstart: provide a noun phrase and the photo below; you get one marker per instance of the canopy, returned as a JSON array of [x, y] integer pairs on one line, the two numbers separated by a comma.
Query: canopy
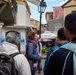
[[48, 35], [36, 2]]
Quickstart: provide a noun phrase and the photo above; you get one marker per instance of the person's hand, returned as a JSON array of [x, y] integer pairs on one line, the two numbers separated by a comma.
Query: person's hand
[[40, 55]]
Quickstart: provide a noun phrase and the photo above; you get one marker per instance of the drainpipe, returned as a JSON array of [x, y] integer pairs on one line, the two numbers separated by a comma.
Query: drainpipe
[[1, 24]]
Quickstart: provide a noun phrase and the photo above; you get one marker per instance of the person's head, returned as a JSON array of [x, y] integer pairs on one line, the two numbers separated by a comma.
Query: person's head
[[10, 39], [32, 35], [70, 26], [60, 36]]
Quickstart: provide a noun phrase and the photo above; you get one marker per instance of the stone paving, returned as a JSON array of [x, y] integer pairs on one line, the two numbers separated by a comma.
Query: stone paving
[[39, 74]]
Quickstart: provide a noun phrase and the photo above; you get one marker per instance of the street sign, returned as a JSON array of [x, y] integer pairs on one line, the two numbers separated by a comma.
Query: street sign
[[36, 2]]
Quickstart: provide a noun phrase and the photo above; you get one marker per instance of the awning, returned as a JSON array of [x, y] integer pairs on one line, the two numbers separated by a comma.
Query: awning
[[48, 35], [36, 2]]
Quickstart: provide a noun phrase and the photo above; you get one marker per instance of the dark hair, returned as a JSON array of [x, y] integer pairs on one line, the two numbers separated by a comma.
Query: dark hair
[[70, 22], [61, 34], [31, 35]]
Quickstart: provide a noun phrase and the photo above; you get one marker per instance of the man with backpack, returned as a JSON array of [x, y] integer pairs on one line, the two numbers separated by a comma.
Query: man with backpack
[[63, 60], [11, 61]]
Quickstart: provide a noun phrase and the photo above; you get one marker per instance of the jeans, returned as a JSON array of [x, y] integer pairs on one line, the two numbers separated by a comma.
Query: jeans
[[34, 71]]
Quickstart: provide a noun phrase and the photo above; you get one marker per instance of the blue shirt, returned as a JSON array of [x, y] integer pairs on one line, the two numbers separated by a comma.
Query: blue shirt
[[49, 52]]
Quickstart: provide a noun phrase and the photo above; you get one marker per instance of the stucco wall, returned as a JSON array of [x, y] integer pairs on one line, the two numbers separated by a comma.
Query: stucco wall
[[68, 8], [23, 17], [55, 24], [22, 34], [72, 2]]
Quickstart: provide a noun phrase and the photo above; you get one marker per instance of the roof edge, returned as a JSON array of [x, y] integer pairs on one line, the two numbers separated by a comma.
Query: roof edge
[[66, 3]]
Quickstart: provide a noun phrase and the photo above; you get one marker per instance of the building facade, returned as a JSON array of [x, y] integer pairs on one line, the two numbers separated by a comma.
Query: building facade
[[35, 25], [17, 27], [59, 13], [48, 16], [69, 6]]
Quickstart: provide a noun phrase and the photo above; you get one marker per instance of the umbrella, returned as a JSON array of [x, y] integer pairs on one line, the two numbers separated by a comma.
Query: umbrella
[[48, 35]]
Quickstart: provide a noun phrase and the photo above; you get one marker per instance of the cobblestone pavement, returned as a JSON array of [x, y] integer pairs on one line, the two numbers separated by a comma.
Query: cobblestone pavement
[[39, 73]]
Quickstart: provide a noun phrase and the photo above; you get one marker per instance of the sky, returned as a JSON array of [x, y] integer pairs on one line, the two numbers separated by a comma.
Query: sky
[[50, 4]]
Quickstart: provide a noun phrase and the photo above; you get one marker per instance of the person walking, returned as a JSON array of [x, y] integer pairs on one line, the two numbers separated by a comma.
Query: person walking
[[21, 63], [32, 53], [63, 60]]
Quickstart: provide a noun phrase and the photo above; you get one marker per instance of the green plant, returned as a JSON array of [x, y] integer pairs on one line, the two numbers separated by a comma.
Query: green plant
[[45, 50]]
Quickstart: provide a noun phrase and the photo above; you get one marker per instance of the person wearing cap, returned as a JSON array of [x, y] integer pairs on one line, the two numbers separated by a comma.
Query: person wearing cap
[[60, 41]]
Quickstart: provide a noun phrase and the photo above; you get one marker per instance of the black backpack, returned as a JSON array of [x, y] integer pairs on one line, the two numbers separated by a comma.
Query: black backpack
[[7, 64]]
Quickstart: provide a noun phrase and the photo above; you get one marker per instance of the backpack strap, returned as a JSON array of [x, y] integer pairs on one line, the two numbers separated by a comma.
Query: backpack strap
[[72, 47], [13, 63], [4, 55], [65, 63], [14, 54]]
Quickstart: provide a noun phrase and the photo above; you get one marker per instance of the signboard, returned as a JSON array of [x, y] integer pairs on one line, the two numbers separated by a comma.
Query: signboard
[[36, 2], [22, 41]]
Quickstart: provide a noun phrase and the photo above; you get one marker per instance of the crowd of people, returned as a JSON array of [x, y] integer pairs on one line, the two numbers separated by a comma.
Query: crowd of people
[[60, 59]]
